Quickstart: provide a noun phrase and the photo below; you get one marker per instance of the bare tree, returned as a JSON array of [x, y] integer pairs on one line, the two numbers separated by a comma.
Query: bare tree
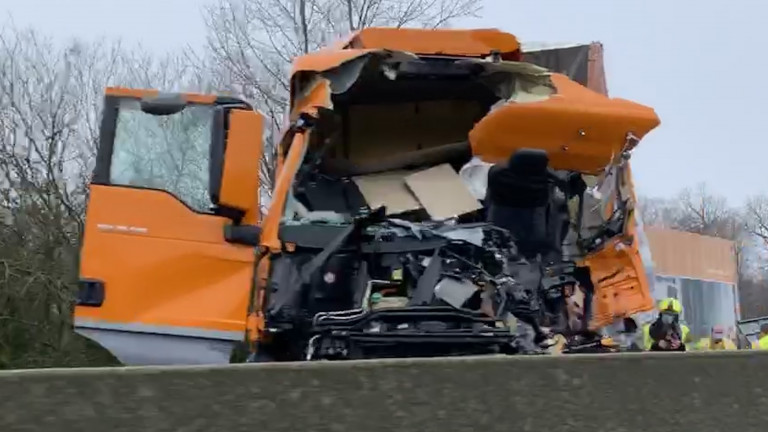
[[703, 212], [754, 290], [695, 210], [757, 217], [658, 212], [50, 108], [44, 139], [254, 41]]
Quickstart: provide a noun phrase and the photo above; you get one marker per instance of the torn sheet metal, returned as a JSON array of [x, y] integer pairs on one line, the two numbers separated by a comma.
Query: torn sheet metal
[[515, 81], [582, 63], [474, 236], [315, 95], [343, 76], [442, 193], [571, 60], [455, 292], [580, 129], [475, 176], [325, 60]]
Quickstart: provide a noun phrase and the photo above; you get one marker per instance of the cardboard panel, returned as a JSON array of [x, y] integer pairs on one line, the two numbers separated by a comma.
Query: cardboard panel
[[387, 189], [442, 192]]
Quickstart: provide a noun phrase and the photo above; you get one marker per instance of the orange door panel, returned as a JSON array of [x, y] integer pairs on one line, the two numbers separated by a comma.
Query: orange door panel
[[618, 273], [621, 285], [162, 264]]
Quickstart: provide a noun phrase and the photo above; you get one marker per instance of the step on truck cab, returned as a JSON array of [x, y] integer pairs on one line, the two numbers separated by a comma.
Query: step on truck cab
[[435, 195]]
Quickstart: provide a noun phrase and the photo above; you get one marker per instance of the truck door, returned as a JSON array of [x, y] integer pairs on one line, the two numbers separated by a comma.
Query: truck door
[[611, 234], [166, 261]]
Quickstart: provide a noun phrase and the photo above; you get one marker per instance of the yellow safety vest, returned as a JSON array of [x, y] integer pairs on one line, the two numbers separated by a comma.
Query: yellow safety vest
[[762, 343], [705, 344], [648, 341]]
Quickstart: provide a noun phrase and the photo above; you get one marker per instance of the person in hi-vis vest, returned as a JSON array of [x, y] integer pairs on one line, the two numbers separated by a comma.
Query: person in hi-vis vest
[[762, 341], [667, 333], [716, 341]]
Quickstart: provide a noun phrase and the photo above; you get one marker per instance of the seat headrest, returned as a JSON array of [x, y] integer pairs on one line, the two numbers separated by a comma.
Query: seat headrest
[[529, 162]]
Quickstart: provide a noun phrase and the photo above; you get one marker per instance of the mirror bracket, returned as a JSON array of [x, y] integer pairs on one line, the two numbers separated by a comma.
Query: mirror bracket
[[249, 235]]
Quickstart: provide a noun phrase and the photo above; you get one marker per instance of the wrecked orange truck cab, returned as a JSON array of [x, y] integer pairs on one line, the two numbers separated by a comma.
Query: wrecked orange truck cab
[[431, 187]]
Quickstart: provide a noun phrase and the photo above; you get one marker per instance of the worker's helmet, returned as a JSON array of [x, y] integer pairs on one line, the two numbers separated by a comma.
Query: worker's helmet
[[671, 305]]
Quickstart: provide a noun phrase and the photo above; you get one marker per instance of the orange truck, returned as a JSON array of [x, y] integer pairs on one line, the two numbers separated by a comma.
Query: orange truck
[[431, 186]]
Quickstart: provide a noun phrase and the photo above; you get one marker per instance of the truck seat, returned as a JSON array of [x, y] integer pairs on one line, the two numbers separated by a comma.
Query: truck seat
[[521, 198]]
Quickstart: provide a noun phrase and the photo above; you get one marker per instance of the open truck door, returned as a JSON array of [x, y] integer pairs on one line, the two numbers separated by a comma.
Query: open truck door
[[167, 260], [611, 232], [612, 236]]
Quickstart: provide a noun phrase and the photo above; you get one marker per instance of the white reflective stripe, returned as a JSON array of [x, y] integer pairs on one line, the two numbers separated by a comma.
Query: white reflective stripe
[[156, 329]]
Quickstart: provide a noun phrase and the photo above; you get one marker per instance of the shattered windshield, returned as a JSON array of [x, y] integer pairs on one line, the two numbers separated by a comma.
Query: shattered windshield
[[166, 152]]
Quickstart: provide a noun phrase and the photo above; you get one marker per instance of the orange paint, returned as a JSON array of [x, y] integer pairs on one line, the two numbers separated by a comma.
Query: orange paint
[[449, 42], [324, 60], [271, 226], [242, 159], [175, 269], [319, 96], [580, 129]]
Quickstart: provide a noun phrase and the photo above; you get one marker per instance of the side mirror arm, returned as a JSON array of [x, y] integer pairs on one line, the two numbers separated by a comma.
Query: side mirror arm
[[248, 235]]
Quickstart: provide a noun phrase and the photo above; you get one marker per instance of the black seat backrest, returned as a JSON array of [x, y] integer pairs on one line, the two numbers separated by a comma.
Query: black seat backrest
[[521, 199]]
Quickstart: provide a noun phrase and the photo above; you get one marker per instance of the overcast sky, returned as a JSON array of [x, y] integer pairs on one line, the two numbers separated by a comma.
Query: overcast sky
[[698, 63]]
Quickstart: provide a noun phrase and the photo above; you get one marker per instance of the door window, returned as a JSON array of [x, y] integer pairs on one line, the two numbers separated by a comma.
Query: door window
[[166, 152]]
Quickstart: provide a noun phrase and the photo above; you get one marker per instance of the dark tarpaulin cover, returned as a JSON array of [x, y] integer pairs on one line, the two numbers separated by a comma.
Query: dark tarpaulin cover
[[581, 63]]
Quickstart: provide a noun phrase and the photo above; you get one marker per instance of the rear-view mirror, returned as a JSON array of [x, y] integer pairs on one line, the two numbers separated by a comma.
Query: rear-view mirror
[[163, 105]]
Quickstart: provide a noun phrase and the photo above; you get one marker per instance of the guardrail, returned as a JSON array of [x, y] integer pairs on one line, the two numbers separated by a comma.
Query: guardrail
[[659, 392]]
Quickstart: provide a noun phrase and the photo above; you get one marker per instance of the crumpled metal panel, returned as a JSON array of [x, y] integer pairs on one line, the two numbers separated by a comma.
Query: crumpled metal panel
[[581, 63], [581, 130], [572, 61]]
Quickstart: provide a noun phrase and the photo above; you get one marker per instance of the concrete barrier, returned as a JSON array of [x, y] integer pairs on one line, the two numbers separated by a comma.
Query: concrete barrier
[[701, 392]]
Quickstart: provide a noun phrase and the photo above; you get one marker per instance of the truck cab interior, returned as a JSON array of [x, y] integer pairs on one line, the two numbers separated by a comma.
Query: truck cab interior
[[391, 253]]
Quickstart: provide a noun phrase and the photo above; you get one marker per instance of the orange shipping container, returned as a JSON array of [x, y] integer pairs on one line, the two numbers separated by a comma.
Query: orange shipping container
[[694, 256], [701, 272]]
